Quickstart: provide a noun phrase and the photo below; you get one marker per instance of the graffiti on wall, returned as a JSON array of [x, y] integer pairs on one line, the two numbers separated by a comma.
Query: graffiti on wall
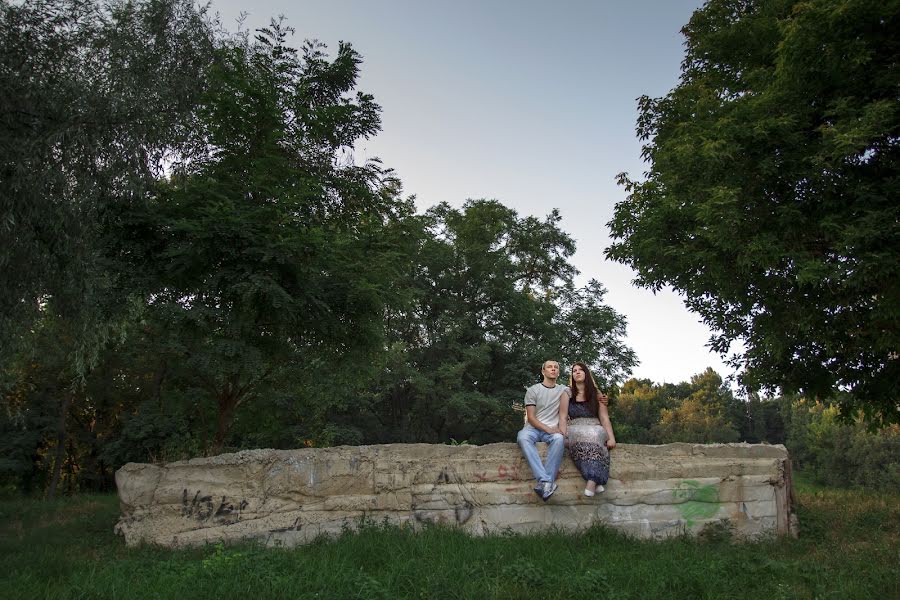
[[204, 507], [696, 501]]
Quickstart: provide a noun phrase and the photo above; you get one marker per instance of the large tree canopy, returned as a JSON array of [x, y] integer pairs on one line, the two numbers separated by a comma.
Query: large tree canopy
[[95, 97], [771, 199], [259, 247], [488, 296]]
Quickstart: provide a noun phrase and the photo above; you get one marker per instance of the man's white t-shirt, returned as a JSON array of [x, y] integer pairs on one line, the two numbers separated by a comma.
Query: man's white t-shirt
[[546, 402]]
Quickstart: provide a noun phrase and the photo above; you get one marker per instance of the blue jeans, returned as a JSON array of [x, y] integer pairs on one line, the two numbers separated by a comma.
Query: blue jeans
[[527, 438]]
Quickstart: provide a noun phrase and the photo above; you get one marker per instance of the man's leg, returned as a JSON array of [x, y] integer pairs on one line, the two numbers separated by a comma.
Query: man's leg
[[556, 445], [527, 439]]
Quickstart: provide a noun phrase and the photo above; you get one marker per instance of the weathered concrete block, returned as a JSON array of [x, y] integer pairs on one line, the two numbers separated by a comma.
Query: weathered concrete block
[[292, 496]]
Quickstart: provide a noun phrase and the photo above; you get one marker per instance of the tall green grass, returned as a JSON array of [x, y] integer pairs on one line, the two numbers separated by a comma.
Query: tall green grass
[[847, 549]]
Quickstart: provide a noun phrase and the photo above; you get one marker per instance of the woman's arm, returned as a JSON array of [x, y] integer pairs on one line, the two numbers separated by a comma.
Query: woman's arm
[[564, 414], [604, 420]]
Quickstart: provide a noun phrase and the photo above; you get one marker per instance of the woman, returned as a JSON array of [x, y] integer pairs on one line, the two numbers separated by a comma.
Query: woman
[[590, 434]]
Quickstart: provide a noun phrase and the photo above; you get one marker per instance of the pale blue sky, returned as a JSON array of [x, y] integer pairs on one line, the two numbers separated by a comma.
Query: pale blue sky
[[530, 103]]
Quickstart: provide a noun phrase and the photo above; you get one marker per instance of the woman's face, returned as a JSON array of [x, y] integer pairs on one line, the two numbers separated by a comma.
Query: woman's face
[[577, 374]]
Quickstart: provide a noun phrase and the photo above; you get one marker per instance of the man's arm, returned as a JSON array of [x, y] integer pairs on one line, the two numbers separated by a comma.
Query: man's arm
[[533, 421]]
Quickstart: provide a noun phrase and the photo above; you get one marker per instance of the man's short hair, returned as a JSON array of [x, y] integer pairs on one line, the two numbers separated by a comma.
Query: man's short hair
[[544, 365]]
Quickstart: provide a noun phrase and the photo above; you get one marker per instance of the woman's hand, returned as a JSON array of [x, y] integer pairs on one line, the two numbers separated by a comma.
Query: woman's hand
[[611, 443]]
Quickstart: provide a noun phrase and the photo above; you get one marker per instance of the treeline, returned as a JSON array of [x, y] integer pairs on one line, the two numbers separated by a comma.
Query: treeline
[[128, 413], [459, 335], [823, 445]]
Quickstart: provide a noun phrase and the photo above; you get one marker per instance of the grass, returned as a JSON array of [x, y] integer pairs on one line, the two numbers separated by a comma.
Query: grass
[[848, 548]]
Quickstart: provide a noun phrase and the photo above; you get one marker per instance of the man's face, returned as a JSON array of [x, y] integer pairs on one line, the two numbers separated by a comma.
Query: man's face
[[551, 369]]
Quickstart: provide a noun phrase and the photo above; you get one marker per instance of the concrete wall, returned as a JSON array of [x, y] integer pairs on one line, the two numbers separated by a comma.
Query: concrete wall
[[292, 496]]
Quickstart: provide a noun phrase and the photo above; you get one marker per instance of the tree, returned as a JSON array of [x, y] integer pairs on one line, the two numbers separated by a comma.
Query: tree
[[710, 414], [835, 452], [51, 429], [636, 409], [695, 422], [94, 98], [770, 201], [701, 411], [265, 243], [488, 296]]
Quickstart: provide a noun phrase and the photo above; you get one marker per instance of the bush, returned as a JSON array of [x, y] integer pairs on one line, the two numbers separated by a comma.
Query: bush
[[152, 435], [842, 454]]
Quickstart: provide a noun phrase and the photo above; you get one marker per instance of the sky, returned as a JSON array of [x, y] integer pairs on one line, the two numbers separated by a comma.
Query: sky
[[530, 103]]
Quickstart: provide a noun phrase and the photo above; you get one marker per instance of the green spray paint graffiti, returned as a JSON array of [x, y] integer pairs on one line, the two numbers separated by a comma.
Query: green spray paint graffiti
[[699, 501]]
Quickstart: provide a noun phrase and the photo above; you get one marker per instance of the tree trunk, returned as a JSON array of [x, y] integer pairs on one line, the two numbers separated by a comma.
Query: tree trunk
[[227, 402], [158, 377], [228, 399], [60, 444]]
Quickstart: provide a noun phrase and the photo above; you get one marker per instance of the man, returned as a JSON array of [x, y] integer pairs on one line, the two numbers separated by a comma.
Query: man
[[544, 403]]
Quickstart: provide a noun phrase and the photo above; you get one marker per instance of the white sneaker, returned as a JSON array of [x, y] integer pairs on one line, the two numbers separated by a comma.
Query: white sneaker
[[588, 493], [549, 488], [600, 489]]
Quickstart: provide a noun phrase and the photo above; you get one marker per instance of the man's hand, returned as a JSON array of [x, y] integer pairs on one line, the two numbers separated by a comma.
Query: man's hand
[[552, 430], [611, 443]]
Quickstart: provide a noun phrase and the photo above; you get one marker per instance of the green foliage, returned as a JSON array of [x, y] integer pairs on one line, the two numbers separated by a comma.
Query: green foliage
[[35, 385], [527, 574], [264, 245], [695, 422], [837, 453], [703, 410], [152, 435], [488, 297], [765, 420], [701, 417], [94, 98], [770, 199], [823, 446], [193, 261], [636, 409]]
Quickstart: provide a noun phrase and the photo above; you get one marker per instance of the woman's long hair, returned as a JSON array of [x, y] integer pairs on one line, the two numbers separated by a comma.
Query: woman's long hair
[[590, 389]]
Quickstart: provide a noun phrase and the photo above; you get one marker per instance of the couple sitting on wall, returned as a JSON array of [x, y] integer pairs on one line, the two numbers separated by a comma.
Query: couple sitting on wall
[[575, 416]]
